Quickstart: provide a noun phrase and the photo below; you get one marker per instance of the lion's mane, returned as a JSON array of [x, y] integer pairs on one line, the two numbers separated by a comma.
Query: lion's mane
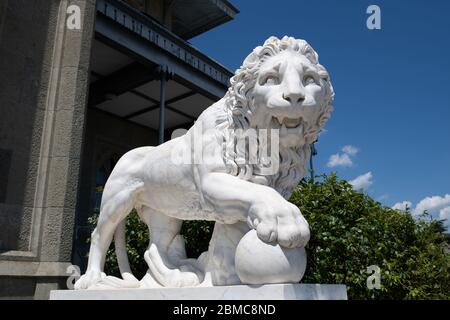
[[239, 108]]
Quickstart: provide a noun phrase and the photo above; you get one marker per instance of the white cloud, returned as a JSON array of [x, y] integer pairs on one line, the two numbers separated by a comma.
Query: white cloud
[[432, 204], [445, 214], [342, 160], [402, 205], [350, 150], [362, 182]]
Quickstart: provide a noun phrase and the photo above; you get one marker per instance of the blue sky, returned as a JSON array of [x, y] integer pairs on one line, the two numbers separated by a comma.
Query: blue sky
[[392, 87]]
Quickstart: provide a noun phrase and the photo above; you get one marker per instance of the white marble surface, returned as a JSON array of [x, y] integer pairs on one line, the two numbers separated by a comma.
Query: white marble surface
[[239, 292], [286, 265], [279, 100]]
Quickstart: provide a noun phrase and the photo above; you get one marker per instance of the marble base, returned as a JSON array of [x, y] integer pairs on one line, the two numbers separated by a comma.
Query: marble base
[[241, 292]]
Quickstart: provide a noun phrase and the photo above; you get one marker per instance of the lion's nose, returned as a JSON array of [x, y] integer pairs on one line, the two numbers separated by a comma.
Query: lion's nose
[[294, 96]]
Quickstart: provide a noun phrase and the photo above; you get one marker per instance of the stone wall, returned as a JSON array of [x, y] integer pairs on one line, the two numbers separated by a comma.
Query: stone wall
[[25, 53], [44, 70]]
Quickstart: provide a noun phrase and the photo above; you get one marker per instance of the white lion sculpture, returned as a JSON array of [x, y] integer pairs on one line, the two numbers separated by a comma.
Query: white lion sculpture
[[280, 88]]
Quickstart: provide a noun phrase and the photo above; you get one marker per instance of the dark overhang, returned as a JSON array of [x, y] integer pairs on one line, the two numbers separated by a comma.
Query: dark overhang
[[137, 35], [191, 18], [129, 52], [129, 90]]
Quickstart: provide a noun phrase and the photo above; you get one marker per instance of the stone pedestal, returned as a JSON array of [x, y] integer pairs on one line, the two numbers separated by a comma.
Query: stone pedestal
[[240, 292]]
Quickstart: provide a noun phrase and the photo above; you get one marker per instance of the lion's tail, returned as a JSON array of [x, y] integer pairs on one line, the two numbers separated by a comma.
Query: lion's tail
[[122, 257]]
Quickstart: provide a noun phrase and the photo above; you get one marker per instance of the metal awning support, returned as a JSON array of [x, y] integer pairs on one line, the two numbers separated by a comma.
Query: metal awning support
[[313, 153], [162, 101]]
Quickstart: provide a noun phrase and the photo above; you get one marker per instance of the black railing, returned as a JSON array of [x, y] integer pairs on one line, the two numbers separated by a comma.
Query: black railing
[[149, 29]]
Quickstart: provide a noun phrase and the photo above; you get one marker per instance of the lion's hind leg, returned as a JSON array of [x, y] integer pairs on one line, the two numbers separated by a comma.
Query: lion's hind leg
[[165, 255], [115, 207]]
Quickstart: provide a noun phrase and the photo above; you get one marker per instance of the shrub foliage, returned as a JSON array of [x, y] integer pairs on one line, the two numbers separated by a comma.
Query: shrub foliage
[[350, 232]]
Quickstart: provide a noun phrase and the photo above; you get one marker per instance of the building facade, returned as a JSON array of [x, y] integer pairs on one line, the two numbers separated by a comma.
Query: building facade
[[81, 83]]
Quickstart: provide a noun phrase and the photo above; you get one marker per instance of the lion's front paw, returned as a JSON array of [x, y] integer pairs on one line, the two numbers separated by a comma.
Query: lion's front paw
[[280, 222], [89, 279]]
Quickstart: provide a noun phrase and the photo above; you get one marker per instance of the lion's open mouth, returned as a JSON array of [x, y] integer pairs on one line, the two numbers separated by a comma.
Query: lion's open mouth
[[291, 130], [288, 125]]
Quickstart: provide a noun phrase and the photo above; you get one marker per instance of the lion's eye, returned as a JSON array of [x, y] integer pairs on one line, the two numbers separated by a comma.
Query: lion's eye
[[271, 80], [308, 80]]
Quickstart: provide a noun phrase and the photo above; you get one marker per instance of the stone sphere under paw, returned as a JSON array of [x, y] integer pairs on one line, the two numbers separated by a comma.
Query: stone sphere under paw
[[258, 262]]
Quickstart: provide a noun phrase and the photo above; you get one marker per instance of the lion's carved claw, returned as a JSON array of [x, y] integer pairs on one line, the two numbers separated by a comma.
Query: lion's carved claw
[[99, 280], [279, 222], [89, 279]]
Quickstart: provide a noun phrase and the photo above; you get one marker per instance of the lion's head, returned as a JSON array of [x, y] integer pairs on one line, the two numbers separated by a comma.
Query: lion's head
[[280, 85]]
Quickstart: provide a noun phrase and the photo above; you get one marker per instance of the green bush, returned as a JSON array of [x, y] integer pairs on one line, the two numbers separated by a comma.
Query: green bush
[[137, 242], [349, 232]]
